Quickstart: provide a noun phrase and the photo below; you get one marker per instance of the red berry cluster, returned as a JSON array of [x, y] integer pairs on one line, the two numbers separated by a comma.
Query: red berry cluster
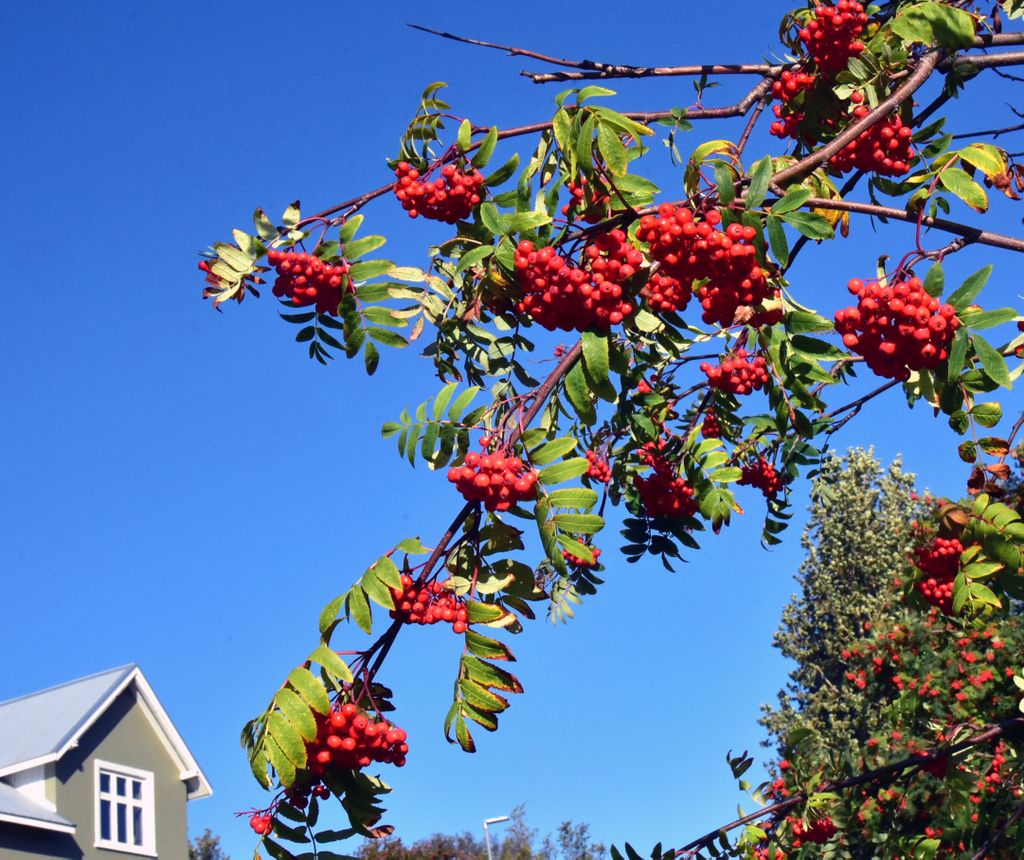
[[832, 36], [666, 295], [690, 250], [939, 561], [598, 468], [816, 832], [886, 148], [736, 374], [710, 428], [590, 201], [349, 738], [576, 561], [494, 479], [559, 295], [663, 493], [449, 198], [897, 328], [308, 280], [428, 604], [764, 476], [262, 824]]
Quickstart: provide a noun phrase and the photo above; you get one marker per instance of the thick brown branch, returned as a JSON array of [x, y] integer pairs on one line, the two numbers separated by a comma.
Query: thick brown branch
[[973, 235], [924, 69], [988, 61]]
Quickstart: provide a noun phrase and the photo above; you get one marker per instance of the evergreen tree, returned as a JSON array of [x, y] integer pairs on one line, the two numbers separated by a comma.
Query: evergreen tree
[[857, 539]]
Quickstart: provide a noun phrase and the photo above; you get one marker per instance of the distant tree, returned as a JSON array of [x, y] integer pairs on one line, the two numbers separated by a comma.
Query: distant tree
[[857, 539], [572, 842], [206, 847]]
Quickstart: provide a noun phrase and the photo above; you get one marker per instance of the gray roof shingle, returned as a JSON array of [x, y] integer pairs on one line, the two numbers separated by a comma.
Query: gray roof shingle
[[40, 724]]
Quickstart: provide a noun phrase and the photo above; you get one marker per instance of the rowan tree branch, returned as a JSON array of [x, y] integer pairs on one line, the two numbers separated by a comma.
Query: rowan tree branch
[[989, 733]]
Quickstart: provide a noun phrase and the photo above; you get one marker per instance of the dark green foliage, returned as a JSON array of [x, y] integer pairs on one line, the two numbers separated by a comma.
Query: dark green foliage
[[857, 539], [206, 847]]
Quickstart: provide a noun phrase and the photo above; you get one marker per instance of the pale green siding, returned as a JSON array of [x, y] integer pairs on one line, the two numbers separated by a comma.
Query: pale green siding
[[124, 736]]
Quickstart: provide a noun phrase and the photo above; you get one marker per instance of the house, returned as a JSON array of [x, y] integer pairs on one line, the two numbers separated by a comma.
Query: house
[[94, 768]]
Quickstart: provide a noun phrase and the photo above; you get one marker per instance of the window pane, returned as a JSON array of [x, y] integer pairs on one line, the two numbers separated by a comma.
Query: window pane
[[122, 786], [137, 789], [137, 825], [122, 823], [104, 819], [105, 782]]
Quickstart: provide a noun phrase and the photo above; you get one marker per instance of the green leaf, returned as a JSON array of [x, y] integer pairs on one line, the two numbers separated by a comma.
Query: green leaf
[[987, 158], [935, 281], [579, 523], [288, 738], [291, 216], [930, 22], [461, 402], [356, 249], [566, 470], [760, 179], [297, 712], [267, 231], [350, 228], [957, 355], [369, 269], [777, 240], [553, 450], [371, 357], [483, 613], [504, 172], [465, 135], [585, 143], [812, 226], [387, 572], [308, 686], [386, 336], [571, 497], [330, 660], [359, 608], [958, 182], [992, 362], [978, 319], [486, 150], [481, 697], [792, 201], [485, 646], [578, 392], [330, 613], [596, 364], [725, 181], [801, 322], [968, 291], [987, 414], [491, 676], [612, 150]]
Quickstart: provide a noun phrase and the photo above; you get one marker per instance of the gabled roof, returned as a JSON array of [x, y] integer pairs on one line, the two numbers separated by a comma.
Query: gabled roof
[[41, 727], [15, 808]]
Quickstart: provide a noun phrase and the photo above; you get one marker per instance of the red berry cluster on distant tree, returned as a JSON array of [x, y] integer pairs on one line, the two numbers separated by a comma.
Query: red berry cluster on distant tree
[[598, 468], [764, 476], [428, 604], [449, 198], [494, 479], [710, 428], [897, 328], [689, 249], [939, 561], [666, 295], [736, 374], [663, 492], [590, 201], [349, 738], [832, 36], [576, 561], [560, 295], [308, 280], [815, 832], [886, 148]]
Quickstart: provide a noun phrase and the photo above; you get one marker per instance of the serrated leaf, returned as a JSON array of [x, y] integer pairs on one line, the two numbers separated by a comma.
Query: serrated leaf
[[288, 739], [578, 392], [330, 613], [579, 523], [987, 414], [596, 363], [800, 322], [491, 676], [810, 225], [569, 497], [387, 572], [793, 200], [297, 712], [613, 152], [360, 247], [553, 450], [482, 698], [330, 660], [485, 646], [992, 362], [777, 240], [308, 686], [760, 179], [486, 150], [958, 182], [359, 608], [565, 470]]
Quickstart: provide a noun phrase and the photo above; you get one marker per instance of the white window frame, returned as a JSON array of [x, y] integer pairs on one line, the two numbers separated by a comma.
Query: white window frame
[[147, 803]]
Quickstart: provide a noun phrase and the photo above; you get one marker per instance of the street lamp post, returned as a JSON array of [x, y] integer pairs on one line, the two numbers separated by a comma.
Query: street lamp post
[[487, 835]]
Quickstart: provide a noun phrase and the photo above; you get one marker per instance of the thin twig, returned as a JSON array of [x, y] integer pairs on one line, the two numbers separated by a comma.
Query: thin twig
[[994, 839]]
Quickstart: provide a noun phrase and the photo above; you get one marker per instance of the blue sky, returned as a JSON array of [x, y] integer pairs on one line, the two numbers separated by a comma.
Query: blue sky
[[185, 490]]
